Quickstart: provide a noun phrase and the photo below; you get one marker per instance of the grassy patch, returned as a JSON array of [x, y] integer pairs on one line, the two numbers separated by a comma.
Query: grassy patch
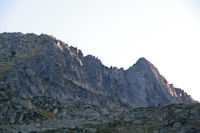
[[47, 114], [4, 70], [3, 121]]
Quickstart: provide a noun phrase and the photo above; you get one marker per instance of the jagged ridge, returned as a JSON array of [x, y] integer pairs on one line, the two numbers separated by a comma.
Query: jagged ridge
[[47, 85], [50, 61]]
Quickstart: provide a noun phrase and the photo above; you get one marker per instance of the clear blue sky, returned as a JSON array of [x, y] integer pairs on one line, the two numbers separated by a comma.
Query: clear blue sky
[[166, 32]]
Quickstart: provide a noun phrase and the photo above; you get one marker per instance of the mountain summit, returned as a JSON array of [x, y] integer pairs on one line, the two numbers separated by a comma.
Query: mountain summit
[[42, 78], [42, 65]]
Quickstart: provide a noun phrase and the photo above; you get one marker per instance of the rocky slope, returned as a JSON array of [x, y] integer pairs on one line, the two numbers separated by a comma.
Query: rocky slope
[[42, 65], [88, 118], [46, 84]]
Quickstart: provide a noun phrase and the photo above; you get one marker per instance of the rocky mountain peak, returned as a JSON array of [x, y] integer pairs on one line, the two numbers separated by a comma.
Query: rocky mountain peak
[[48, 86], [145, 64], [142, 60], [145, 68], [42, 65], [142, 64]]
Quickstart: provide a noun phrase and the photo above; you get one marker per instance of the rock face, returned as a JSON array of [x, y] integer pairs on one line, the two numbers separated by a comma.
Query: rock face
[[43, 80], [42, 65]]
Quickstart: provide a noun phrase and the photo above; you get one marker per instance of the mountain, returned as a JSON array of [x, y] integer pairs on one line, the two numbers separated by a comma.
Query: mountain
[[44, 80]]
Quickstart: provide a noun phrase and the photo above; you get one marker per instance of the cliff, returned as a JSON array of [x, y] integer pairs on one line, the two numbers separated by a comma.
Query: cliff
[[42, 78]]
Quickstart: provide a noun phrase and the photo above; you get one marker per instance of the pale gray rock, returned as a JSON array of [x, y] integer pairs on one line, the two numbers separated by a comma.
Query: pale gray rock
[[46, 85], [42, 65], [55, 111]]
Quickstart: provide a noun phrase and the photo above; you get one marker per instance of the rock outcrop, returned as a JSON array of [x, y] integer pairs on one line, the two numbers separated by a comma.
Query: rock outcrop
[[42, 65], [43, 80]]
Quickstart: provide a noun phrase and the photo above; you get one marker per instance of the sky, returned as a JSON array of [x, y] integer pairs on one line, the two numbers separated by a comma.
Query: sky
[[119, 32]]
